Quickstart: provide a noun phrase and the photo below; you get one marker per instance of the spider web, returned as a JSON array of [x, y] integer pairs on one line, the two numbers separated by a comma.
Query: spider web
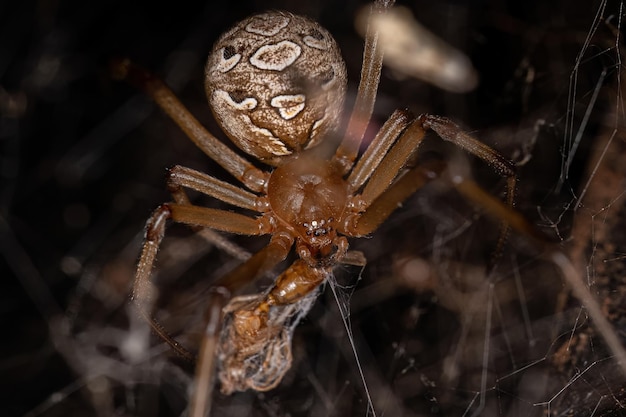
[[601, 391], [342, 297], [597, 387]]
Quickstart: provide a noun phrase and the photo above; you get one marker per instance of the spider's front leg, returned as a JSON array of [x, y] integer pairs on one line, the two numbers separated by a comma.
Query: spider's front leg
[[143, 293], [451, 132], [380, 175], [143, 290], [183, 211], [253, 178], [381, 195]]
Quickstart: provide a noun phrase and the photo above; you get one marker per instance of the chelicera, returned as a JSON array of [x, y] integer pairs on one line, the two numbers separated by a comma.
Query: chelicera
[[276, 84]]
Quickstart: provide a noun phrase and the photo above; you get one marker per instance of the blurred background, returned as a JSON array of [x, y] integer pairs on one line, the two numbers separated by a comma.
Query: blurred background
[[82, 165]]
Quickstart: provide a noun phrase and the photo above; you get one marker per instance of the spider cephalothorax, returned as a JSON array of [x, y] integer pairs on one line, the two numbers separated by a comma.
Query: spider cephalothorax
[[309, 197]]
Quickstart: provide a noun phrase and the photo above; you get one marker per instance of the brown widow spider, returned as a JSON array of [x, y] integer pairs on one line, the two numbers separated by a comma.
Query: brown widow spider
[[276, 84]]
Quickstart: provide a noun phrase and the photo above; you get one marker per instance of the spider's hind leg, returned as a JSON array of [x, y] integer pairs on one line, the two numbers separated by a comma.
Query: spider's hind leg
[[451, 132]]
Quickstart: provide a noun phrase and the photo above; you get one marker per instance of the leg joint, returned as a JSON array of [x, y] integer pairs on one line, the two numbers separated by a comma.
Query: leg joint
[[155, 227]]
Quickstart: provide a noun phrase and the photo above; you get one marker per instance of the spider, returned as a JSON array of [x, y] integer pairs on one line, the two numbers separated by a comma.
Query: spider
[[276, 84]]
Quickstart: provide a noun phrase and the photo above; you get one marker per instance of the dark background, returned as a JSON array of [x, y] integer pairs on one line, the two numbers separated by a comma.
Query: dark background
[[82, 165]]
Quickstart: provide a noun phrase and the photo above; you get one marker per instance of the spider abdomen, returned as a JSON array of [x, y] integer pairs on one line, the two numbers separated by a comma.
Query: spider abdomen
[[276, 83]]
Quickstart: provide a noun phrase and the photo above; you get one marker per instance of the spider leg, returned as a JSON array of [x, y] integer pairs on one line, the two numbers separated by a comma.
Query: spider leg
[[267, 258], [381, 172], [252, 177], [376, 151], [179, 177], [366, 96], [202, 392], [449, 131], [253, 332], [143, 292], [553, 253], [494, 207], [368, 221]]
